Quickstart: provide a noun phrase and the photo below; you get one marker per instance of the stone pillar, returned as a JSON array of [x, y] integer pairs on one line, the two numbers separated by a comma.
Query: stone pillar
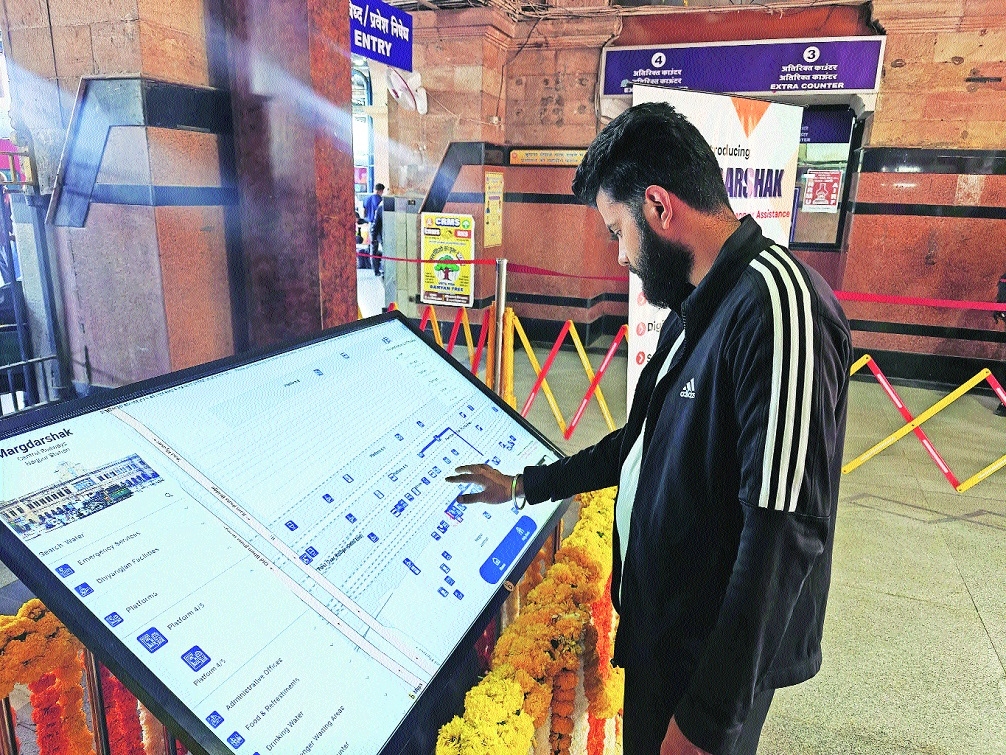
[[290, 80], [149, 288]]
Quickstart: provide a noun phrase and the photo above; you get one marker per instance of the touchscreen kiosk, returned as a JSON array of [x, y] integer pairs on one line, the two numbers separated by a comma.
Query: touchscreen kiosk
[[265, 550]]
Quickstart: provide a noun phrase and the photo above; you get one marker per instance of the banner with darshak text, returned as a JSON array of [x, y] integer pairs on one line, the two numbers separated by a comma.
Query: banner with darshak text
[[756, 144]]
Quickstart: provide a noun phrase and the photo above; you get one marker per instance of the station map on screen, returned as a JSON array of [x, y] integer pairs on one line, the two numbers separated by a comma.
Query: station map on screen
[[276, 541]]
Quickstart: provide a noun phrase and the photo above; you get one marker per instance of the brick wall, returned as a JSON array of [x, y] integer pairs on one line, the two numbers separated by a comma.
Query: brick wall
[[930, 199]]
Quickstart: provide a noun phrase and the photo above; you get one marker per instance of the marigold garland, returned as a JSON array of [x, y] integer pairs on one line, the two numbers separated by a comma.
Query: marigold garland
[[603, 684], [154, 741], [37, 650], [32, 643], [125, 737], [535, 658]]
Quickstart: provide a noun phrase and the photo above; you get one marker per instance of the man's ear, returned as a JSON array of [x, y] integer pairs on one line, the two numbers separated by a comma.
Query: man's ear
[[657, 207]]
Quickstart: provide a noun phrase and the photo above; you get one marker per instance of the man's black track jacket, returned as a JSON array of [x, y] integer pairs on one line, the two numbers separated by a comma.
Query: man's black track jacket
[[728, 562]]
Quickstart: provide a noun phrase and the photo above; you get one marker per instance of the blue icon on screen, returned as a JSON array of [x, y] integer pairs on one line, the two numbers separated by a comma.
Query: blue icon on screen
[[426, 481], [372, 537], [508, 550], [378, 494], [235, 740], [443, 592], [312, 552], [291, 525], [443, 526], [113, 619], [350, 518], [445, 568], [449, 580], [306, 558], [412, 567], [152, 640], [399, 436], [195, 657], [436, 535], [214, 719], [399, 508], [318, 372], [446, 555], [458, 594], [83, 589], [487, 515], [64, 570], [344, 355], [328, 498], [347, 478]]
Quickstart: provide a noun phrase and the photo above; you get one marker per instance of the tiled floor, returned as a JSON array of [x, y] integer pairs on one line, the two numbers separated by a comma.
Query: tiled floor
[[915, 639]]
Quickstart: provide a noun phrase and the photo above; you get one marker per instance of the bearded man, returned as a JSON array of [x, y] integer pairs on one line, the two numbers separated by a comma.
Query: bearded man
[[728, 465]]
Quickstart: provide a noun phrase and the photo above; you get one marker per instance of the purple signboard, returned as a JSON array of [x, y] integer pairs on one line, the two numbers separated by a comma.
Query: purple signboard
[[381, 32], [770, 67], [827, 126]]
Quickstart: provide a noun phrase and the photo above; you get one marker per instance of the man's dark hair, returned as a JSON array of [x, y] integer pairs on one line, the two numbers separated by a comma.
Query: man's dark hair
[[379, 187], [651, 144]]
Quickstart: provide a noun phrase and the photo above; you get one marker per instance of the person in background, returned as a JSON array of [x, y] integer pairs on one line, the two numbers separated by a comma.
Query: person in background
[[728, 465], [377, 240], [370, 205]]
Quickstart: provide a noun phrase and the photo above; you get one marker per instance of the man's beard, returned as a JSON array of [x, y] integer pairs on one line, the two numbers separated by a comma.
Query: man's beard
[[664, 268]]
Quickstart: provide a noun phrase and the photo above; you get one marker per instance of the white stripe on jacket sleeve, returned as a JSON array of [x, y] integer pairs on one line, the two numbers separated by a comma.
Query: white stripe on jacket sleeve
[[790, 423]]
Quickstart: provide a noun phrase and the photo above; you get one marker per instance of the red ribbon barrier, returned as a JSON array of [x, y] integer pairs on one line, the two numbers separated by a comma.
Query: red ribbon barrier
[[413, 260], [913, 301], [513, 267], [483, 332], [454, 331], [545, 368], [907, 416], [860, 296], [516, 267], [596, 381], [426, 317]]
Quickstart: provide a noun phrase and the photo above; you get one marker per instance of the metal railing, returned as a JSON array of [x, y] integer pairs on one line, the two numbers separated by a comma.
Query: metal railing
[[36, 382]]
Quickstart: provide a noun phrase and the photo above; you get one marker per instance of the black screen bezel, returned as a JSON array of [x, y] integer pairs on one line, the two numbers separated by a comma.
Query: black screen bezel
[[197, 736]]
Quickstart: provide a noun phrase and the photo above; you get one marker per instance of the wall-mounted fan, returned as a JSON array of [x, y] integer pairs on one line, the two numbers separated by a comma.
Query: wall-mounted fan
[[408, 92]]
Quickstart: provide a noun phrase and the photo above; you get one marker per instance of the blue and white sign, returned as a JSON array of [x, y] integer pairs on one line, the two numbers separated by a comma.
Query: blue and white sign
[[381, 32], [767, 67]]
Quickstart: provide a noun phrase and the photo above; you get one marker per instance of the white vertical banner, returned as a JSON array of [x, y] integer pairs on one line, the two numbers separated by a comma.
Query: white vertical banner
[[756, 144]]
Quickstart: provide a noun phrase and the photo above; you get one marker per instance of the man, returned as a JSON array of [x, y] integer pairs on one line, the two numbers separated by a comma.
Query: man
[[729, 463], [370, 209]]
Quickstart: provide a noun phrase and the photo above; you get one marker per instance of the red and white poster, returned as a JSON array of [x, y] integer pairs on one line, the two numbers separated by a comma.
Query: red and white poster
[[822, 190], [756, 144]]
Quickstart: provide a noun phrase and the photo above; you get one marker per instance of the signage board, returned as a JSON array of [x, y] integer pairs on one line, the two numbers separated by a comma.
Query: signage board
[[756, 144], [556, 158], [270, 559], [493, 234], [823, 191], [448, 243], [379, 31], [765, 67]]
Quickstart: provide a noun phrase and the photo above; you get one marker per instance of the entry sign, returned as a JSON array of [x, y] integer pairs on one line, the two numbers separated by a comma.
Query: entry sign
[[821, 192], [381, 32], [448, 247]]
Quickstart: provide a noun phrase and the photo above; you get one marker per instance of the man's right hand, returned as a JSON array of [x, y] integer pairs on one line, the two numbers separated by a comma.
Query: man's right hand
[[496, 486]]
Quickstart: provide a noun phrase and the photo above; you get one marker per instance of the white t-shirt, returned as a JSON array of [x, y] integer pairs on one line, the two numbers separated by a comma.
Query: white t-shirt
[[628, 480]]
